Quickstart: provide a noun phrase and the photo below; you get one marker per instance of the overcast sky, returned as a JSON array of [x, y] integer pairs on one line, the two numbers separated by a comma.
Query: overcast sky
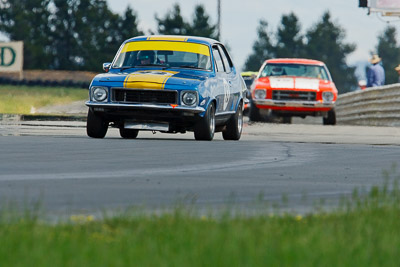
[[240, 19]]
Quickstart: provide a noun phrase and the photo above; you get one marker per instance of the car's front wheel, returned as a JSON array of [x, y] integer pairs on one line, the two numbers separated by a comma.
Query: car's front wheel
[[128, 133], [205, 127], [96, 125], [330, 119], [234, 127]]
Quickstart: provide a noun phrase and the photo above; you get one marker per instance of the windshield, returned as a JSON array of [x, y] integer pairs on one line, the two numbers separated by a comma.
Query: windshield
[[165, 54], [298, 70]]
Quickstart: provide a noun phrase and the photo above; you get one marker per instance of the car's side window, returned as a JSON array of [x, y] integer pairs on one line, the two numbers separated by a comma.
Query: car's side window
[[225, 58], [218, 60]]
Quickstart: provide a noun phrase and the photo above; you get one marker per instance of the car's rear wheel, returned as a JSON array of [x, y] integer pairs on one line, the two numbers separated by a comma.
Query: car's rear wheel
[[205, 127], [330, 119], [234, 127], [128, 133], [254, 113], [96, 125]]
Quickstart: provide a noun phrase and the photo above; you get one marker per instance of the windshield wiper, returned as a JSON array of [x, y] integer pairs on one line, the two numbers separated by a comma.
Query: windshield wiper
[[144, 65], [126, 67], [190, 67], [153, 65]]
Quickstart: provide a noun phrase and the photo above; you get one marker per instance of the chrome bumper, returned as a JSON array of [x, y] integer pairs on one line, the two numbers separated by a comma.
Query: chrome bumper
[[296, 104], [145, 106]]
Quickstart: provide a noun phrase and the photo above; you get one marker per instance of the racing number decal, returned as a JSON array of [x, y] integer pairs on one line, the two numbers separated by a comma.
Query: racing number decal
[[227, 93]]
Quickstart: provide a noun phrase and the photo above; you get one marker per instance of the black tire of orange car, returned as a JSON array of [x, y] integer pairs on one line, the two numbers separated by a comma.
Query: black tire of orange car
[[234, 127], [287, 119], [254, 113], [128, 133], [96, 126], [331, 118], [205, 127]]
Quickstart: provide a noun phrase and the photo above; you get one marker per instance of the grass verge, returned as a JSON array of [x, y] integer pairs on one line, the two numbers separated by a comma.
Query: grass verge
[[363, 231], [21, 99]]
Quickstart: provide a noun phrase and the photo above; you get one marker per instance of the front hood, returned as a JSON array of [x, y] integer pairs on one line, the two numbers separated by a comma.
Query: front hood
[[294, 83], [154, 79]]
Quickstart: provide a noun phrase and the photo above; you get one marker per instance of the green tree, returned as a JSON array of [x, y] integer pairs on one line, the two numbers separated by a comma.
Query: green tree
[[128, 25], [172, 23], [325, 42], [97, 34], [262, 48], [85, 29], [289, 40], [28, 21], [201, 25], [66, 34], [64, 42], [389, 51]]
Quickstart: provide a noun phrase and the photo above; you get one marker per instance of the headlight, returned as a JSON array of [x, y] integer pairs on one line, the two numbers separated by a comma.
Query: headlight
[[260, 94], [327, 96], [189, 98], [99, 93]]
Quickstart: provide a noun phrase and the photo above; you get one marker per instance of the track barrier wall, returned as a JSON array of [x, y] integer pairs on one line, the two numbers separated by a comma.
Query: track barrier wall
[[375, 106]]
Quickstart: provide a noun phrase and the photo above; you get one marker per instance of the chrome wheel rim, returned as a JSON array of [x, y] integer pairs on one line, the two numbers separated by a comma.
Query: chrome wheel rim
[[240, 120], [212, 119]]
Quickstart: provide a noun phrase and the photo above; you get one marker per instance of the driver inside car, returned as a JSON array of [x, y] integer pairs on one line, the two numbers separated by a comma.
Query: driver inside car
[[146, 57]]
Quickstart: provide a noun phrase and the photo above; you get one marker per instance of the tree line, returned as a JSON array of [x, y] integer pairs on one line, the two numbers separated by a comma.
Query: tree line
[[82, 34]]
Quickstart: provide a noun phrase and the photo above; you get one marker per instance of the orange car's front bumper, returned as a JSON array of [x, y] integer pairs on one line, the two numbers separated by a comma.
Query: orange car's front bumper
[[300, 106]]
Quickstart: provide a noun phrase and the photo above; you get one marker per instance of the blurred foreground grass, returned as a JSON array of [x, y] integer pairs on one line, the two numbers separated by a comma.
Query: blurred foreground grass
[[363, 231], [22, 99]]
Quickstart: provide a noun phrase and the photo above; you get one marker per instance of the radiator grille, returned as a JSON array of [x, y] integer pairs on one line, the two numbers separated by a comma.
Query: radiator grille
[[294, 95], [145, 96]]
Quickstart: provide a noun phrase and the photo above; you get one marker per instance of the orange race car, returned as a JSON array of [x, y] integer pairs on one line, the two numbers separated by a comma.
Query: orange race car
[[289, 87]]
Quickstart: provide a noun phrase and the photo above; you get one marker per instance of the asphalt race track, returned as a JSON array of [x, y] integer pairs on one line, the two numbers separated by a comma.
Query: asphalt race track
[[291, 166]]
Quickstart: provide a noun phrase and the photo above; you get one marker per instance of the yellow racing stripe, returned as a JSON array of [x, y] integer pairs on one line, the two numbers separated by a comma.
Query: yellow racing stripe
[[148, 79], [168, 46]]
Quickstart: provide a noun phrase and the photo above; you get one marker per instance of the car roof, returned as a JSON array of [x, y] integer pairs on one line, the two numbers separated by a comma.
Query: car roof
[[174, 38], [295, 61]]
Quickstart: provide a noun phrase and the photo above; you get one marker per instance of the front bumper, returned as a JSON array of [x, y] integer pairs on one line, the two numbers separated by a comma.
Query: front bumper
[[108, 106], [276, 104]]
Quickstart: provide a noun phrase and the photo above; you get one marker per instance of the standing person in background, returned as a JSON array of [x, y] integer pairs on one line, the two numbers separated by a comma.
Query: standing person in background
[[398, 71], [376, 73]]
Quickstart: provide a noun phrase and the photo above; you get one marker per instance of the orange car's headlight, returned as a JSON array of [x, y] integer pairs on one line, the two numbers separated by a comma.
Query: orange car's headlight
[[260, 94], [327, 96]]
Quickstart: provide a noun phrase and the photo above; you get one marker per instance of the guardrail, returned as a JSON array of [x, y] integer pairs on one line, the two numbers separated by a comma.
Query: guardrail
[[375, 106]]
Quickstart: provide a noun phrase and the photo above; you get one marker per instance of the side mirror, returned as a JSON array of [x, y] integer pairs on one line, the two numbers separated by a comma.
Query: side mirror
[[106, 66]]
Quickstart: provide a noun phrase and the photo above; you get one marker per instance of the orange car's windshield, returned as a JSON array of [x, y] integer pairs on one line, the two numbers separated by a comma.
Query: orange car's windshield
[[298, 70]]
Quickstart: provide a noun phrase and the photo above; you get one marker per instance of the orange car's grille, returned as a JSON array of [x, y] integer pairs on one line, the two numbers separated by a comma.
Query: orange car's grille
[[145, 96], [293, 95]]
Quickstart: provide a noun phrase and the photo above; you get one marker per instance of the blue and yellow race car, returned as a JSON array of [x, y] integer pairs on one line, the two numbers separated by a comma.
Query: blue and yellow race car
[[170, 84]]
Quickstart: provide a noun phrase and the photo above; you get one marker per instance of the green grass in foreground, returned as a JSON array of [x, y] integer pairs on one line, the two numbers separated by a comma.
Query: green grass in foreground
[[21, 99], [363, 232]]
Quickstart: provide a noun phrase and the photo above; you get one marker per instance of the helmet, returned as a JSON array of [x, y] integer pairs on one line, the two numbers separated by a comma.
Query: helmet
[[277, 70], [146, 54]]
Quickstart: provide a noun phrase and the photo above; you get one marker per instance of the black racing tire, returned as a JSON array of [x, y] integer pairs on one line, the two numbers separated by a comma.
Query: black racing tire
[[234, 127], [331, 118], [287, 119], [205, 127], [96, 125], [254, 113], [128, 133]]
